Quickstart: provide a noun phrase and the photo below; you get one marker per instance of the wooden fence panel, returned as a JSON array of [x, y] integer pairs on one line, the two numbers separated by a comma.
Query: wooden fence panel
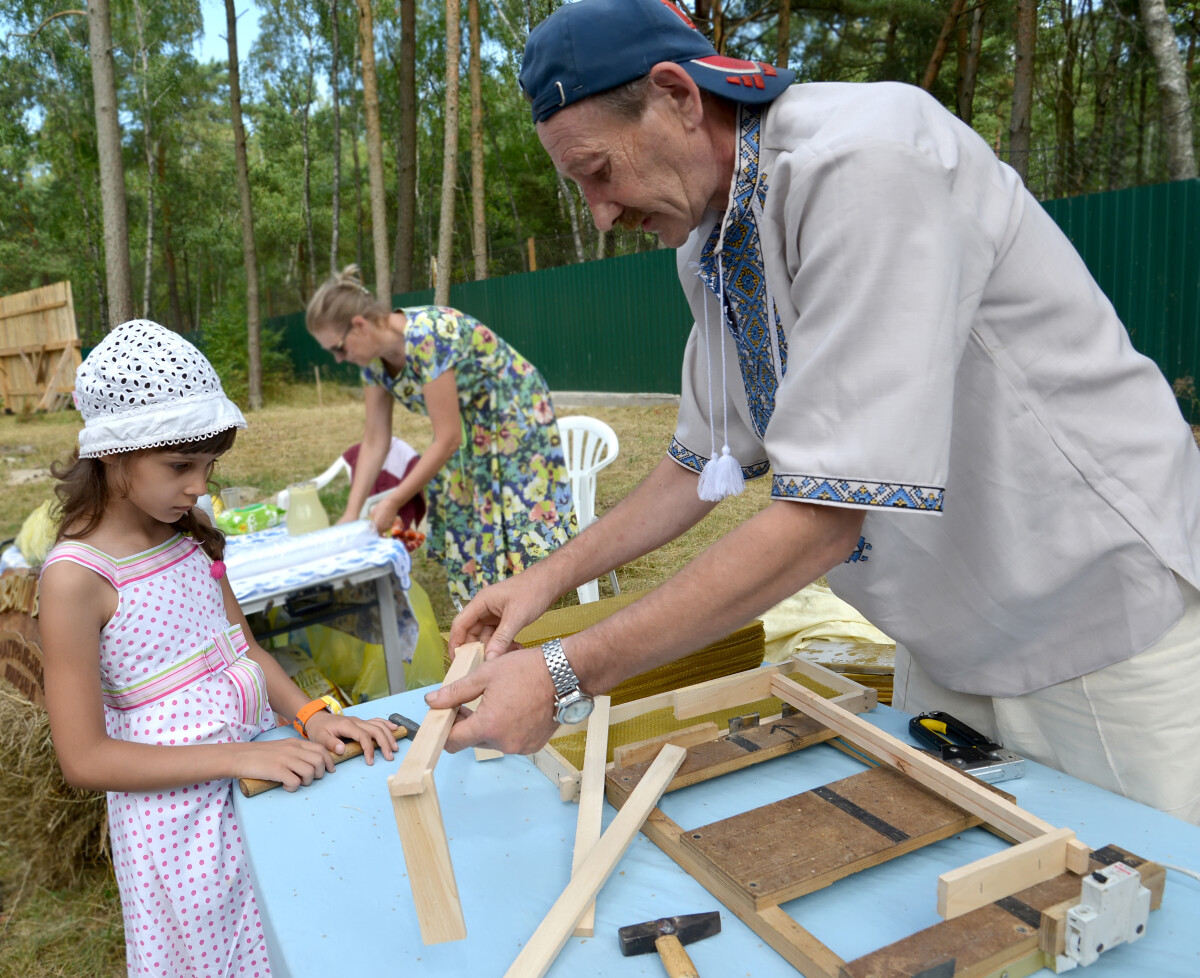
[[39, 349]]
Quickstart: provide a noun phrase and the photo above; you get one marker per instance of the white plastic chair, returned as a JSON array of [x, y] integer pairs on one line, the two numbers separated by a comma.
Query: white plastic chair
[[400, 449], [589, 445]]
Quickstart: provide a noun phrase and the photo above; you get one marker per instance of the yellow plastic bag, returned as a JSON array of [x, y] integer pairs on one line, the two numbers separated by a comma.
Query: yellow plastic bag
[[356, 666], [37, 533], [428, 664]]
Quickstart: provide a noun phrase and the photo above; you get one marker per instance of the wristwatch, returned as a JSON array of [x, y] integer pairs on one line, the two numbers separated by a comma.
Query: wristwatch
[[571, 704]]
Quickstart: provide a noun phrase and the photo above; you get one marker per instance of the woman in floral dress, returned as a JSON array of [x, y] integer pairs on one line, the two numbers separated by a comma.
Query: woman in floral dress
[[495, 474]]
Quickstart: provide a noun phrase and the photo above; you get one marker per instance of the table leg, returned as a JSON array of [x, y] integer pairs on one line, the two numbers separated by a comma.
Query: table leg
[[393, 653]]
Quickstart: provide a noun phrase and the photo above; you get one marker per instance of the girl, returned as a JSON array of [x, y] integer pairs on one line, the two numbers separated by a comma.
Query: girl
[[499, 494], [154, 685]]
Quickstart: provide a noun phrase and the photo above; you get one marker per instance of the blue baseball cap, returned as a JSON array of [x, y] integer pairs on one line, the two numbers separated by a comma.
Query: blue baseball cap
[[590, 46]]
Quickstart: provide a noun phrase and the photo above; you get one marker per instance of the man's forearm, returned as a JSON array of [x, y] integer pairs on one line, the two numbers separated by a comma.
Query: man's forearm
[[754, 567], [663, 506]]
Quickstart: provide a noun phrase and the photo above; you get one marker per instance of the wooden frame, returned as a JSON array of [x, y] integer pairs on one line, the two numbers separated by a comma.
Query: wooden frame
[[39, 348], [419, 819], [1041, 873]]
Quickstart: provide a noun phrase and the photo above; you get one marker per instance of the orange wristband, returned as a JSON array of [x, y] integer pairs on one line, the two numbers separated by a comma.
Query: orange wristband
[[306, 713]]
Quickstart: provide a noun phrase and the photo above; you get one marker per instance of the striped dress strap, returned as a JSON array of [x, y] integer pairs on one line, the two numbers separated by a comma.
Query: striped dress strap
[[223, 651], [121, 571], [89, 557]]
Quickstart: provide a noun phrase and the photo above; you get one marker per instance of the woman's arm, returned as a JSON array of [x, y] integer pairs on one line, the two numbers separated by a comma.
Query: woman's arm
[[441, 403], [377, 439]]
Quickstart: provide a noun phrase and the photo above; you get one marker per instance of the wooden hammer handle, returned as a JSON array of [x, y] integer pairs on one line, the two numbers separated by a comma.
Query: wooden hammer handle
[[256, 786], [674, 958]]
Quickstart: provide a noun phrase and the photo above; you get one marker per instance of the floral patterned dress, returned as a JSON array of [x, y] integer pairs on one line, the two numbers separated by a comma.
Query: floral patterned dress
[[503, 500]]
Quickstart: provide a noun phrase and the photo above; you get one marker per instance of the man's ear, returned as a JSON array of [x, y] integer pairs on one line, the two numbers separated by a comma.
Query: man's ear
[[668, 80]]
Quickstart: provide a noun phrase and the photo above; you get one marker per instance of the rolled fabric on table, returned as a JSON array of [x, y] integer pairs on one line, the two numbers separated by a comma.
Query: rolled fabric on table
[[244, 562]]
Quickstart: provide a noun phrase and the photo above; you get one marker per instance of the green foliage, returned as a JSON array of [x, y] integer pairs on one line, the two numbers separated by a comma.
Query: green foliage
[[223, 342]]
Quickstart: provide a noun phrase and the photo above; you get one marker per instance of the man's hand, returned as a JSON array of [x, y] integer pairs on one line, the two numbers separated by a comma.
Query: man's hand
[[516, 712], [498, 612]]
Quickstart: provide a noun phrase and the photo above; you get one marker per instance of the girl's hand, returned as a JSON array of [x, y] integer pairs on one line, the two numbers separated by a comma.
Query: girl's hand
[[331, 730], [292, 761]]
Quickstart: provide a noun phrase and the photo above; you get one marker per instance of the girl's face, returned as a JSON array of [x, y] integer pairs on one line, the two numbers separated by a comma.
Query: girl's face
[[164, 483]]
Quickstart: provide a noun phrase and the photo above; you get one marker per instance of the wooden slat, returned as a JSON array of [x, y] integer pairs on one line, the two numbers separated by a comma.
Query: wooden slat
[[422, 756], [1002, 873], [561, 772], [30, 310], [427, 862], [591, 802], [772, 738], [646, 750], [543, 947], [945, 780]]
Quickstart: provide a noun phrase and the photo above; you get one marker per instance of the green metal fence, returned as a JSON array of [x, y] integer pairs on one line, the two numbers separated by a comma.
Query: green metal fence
[[620, 324], [1143, 247]]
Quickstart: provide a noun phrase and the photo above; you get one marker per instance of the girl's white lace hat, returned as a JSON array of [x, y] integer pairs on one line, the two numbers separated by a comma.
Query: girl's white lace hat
[[144, 386]]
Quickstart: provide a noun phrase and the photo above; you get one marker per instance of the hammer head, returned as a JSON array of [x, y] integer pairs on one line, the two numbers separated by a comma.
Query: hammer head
[[409, 726], [640, 938]]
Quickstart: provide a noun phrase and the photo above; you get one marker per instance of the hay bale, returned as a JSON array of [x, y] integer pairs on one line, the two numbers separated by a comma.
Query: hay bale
[[54, 829]]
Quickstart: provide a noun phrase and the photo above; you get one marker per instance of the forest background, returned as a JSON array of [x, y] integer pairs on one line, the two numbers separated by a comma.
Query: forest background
[[164, 186]]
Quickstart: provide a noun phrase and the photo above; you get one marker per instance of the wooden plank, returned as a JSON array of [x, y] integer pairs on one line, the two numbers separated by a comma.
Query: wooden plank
[[543, 947], [30, 310], [591, 801], [773, 738], [942, 778], [806, 842], [16, 351], [561, 772], [427, 862], [795, 944], [1002, 873], [646, 750], [422, 756]]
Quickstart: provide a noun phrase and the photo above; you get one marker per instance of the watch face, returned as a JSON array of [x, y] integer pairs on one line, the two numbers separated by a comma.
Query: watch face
[[576, 711]]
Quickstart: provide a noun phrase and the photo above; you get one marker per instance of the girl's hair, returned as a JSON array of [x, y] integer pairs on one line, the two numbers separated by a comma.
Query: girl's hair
[[342, 297], [84, 493]]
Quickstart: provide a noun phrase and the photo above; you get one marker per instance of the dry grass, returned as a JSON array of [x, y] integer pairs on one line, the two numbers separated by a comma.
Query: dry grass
[[77, 930]]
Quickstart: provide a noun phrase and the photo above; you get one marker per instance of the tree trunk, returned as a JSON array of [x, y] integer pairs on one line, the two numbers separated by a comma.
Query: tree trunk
[[1019, 125], [943, 42], [445, 253], [117, 270], [969, 47], [783, 44], [366, 33], [478, 200], [406, 151], [1175, 111], [149, 152], [176, 307], [567, 200], [358, 209], [336, 203], [1065, 175], [249, 261], [310, 266]]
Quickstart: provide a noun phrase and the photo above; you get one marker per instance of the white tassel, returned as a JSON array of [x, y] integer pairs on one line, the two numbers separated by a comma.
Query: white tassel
[[720, 477]]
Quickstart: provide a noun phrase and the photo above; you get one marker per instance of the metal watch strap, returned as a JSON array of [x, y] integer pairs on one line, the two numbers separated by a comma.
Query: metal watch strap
[[561, 674]]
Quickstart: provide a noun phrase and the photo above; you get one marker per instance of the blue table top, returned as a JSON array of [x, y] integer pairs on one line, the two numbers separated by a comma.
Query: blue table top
[[331, 887]]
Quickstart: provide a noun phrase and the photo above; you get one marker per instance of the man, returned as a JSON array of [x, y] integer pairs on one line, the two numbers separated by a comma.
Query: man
[[960, 434]]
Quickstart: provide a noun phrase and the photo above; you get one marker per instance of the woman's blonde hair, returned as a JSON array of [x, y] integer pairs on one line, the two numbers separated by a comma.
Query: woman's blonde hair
[[340, 299]]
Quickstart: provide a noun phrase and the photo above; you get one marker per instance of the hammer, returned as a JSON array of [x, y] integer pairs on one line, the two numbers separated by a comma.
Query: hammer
[[405, 728], [667, 935]]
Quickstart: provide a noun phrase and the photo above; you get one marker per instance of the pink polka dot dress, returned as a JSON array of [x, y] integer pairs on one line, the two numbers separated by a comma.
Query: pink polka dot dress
[[174, 671]]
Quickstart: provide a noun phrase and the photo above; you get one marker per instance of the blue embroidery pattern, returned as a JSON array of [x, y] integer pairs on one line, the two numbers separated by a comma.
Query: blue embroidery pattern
[[746, 282], [860, 493], [689, 459], [860, 552]]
